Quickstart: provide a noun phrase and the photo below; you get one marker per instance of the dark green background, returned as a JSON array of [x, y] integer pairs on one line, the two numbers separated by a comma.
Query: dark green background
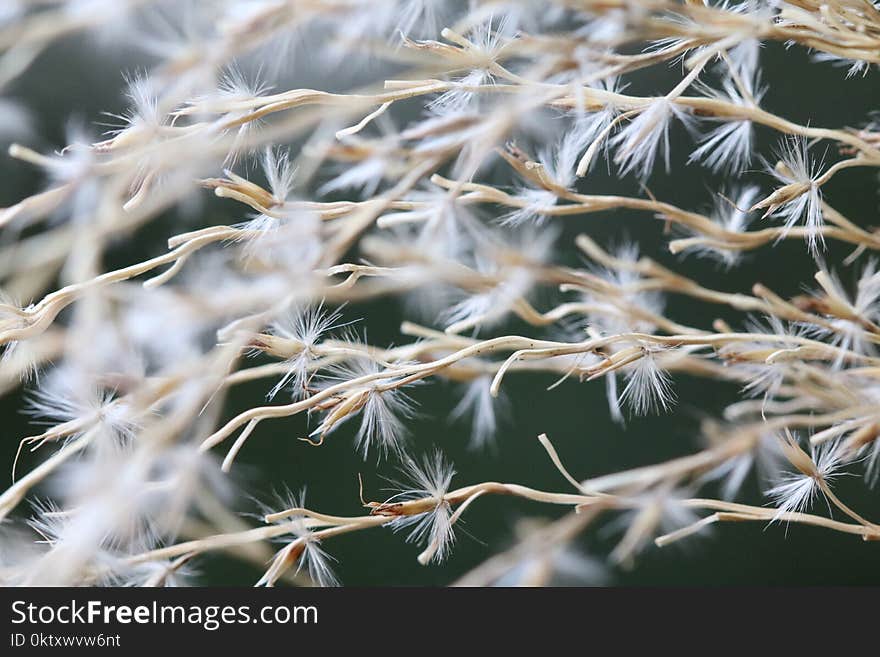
[[81, 81]]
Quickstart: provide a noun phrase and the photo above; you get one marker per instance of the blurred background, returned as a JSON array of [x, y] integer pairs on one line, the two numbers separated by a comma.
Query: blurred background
[[77, 80]]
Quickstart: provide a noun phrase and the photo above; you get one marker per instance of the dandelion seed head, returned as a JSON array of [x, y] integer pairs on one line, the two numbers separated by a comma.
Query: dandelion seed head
[[478, 403], [614, 318], [306, 549], [648, 387], [732, 214], [304, 326], [429, 478], [647, 136], [384, 408], [509, 265], [765, 459], [536, 202], [653, 512], [280, 173], [795, 491], [849, 333], [728, 148], [61, 399], [800, 199], [854, 67]]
